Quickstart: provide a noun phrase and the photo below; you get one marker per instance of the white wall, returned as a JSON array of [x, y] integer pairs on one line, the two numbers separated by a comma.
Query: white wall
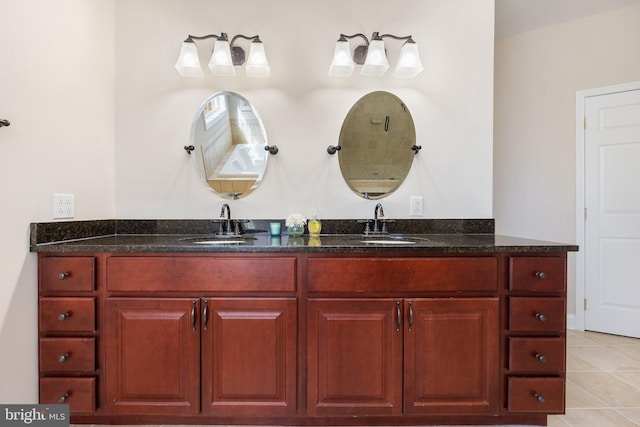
[[56, 89], [537, 75], [302, 107]]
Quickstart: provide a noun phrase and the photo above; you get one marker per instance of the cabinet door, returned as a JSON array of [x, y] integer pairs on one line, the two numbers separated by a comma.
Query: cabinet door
[[152, 356], [451, 356], [249, 356], [354, 357]]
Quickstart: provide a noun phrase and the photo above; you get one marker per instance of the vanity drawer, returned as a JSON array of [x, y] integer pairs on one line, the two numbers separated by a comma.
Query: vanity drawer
[[67, 314], [537, 355], [67, 354], [205, 274], [537, 314], [402, 274], [78, 393], [536, 395], [66, 273], [537, 274]]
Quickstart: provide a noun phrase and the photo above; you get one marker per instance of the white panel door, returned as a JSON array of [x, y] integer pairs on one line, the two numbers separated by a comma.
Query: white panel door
[[612, 227]]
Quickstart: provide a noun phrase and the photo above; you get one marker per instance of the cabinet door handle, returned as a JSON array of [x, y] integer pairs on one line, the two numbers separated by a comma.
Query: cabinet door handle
[[539, 397], [541, 317], [541, 358], [205, 314], [193, 315], [410, 315], [399, 316], [63, 275], [63, 357], [541, 275], [64, 316], [64, 397]]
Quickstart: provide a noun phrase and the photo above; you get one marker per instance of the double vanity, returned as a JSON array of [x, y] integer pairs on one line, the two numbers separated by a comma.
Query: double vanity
[[166, 322]]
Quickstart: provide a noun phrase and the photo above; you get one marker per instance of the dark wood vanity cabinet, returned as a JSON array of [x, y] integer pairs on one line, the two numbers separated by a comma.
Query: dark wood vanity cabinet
[[537, 334], [225, 356], [67, 332], [303, 338], [394, 356]]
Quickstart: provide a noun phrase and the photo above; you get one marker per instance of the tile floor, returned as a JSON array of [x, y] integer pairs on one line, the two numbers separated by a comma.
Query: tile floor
[[603, 382]]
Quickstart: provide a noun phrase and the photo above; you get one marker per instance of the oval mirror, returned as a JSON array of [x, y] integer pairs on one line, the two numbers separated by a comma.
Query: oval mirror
[[376, 143], [229, 142]]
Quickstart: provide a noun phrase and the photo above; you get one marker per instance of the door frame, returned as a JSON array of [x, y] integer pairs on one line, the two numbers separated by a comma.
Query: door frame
[[581, 96]]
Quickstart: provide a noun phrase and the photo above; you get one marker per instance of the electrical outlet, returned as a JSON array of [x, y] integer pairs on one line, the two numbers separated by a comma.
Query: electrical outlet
[[63, 206], [416, 206]]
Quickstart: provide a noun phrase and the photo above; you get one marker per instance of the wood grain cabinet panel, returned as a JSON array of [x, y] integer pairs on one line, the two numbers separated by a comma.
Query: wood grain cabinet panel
[[537, 394], [152, 356], [532, 314], [354, 364], [249, 356], [536, 355], [537, 274], [451, 349], [402, 274], [78, 393], [67, 355], [66, 274], [201, 274], [67, 314]]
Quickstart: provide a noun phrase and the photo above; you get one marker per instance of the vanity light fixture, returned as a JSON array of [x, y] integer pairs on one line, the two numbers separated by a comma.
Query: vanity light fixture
[[373, 57], [225, 56]]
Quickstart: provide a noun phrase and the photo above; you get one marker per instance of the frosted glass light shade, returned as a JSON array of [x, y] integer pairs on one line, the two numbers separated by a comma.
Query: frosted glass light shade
[[376, 63], [342, 64], [221, 63], [257, 64], [188, 64], [409, 64]]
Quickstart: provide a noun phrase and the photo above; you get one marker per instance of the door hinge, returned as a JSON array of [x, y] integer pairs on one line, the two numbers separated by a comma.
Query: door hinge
[[585, 122], [585, 304], [585, 213]]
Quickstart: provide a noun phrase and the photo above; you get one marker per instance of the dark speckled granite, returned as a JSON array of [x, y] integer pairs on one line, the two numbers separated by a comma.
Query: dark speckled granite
[[451, 236]]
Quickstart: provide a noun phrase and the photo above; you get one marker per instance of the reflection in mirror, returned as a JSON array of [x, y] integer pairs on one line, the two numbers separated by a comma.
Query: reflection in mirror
[[376, 140], [229, 145]]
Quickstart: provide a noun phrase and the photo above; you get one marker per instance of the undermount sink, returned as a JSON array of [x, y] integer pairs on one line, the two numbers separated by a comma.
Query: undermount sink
[[391, 240], [219, 240]]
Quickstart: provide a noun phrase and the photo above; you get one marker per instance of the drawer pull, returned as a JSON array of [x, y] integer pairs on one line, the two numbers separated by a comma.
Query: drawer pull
[[64, 397], [399, 316], [63, 275], [541, 358], [541, 275], [410, 316], [539, 397], [193, 315], [63, 357], [205, 315], [64, 316], [541, 317]]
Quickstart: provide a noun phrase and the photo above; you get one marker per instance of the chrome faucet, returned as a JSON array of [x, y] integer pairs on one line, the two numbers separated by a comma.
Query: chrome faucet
[[227, 217], [378, 213]]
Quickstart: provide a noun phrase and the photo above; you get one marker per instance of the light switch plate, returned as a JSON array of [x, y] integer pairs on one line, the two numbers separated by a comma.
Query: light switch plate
[[416, 206]]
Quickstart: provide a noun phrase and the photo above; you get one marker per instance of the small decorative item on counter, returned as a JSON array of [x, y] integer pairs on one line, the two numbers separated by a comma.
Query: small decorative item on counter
[[295, 224], [274, 228], [314, 225]]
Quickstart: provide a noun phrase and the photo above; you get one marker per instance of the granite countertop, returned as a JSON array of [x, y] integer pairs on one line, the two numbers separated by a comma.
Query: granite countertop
[[339, 236]]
